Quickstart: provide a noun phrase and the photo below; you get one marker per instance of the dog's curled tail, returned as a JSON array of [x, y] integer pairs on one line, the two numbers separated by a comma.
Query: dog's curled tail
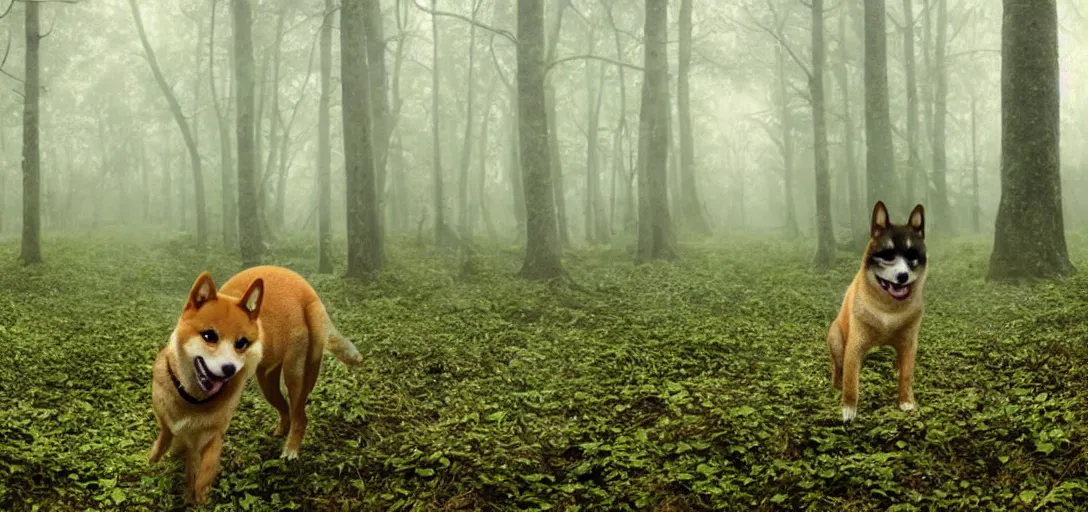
[[337, 344]]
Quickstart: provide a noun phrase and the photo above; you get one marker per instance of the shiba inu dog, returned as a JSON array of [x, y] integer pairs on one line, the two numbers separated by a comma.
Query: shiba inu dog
[[265, 321], [882, 306]]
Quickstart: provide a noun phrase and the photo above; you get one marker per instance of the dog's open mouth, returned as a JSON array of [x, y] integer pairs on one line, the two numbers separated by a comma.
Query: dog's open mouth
[[209, 382], [898, 292]]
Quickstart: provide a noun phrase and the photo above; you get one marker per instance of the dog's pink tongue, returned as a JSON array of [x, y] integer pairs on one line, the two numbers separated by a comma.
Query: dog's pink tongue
[[216, 386], [899, 293]]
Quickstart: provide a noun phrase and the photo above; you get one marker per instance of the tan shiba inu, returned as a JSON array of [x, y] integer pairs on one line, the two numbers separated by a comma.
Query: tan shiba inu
[[882, 306], [264, 321]]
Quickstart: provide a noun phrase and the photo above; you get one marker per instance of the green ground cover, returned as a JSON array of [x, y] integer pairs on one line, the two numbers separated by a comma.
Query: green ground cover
[[673, 386]]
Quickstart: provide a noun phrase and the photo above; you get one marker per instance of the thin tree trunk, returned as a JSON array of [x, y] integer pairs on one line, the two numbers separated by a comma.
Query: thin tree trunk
[[691, 206], [1029, 236], [785, 116], [227, 188], [381, 124], [436, 139], [843, 77], [976, 207], [31, 247], [597, 228], [517, 176], [825, 245], [249, 224], [542, 244], [940, 115], [552, 41], [183, 125], [914, 165], [324, 149], [880, 156], [466, 143], [365, 246], [656, 239]]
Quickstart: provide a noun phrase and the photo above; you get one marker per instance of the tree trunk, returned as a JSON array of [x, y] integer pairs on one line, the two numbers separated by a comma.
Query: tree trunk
[[365, 246], [381, 124], [691, 207], [542, 245], [597, 229], [825, 235], [879, 155], [513, 166], [940, 114], [1029, 236], [466, 144], [249, 223], [976, 207], [558, 188], [226, 159], [183, 125], [843, 78], [439, 199], [785, 118], [914, 164], [656, 239], [324, 149], [31, 248]]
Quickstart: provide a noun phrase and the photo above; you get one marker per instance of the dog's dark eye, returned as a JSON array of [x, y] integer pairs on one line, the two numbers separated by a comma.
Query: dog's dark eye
[[912, 254], [241, 344], [886, 255], [210, 336]]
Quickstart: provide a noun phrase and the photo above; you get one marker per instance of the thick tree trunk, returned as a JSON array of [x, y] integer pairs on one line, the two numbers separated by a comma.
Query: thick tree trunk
[[542, 245], [825, 235], [940, 115], [183, 125], [31, 247], [249, 223], [656, 239], [914, 164], [365, 245], [1029, 236], [691, 207], [879, 155]]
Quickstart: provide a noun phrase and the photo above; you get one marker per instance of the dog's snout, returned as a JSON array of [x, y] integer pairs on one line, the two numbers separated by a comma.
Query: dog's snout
[[902, 277], [228, 370]]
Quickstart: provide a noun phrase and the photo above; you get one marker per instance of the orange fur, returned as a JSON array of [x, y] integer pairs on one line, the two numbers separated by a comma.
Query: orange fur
[[868, 318], [287, 328]]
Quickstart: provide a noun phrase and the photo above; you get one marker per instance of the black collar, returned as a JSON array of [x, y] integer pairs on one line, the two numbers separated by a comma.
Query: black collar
[[181, 389]]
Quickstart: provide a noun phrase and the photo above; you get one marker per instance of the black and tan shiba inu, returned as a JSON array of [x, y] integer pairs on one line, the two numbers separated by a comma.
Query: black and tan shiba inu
[[882, 306]]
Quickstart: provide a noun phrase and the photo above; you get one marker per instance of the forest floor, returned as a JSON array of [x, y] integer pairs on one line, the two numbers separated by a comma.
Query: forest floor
[[698, 384]]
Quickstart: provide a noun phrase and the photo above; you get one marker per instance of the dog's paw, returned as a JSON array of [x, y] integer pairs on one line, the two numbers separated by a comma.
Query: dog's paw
[[906, 406], [849, 412], [289, 454]]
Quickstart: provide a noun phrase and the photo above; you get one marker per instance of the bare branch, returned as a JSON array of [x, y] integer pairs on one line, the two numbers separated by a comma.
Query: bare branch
[[609, 60], [505, 33], [8, 10]]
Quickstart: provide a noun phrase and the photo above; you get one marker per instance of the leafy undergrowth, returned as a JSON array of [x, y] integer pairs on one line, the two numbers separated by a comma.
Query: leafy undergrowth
[[698, 384]]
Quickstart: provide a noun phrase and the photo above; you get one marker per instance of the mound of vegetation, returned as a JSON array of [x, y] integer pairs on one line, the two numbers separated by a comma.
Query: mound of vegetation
[[702, 383]]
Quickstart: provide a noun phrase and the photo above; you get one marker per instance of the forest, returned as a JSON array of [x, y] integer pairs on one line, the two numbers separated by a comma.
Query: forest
[[594, 254]]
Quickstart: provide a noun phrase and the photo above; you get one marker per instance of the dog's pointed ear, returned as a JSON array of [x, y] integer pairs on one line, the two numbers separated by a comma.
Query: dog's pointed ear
[[251, 300], [880, 220], [917, 220], [203, 290]]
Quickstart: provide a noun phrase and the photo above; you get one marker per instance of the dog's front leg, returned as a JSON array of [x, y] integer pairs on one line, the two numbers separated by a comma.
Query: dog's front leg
[[905, 355], [162, 442], [207, 468], [851, 374]]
